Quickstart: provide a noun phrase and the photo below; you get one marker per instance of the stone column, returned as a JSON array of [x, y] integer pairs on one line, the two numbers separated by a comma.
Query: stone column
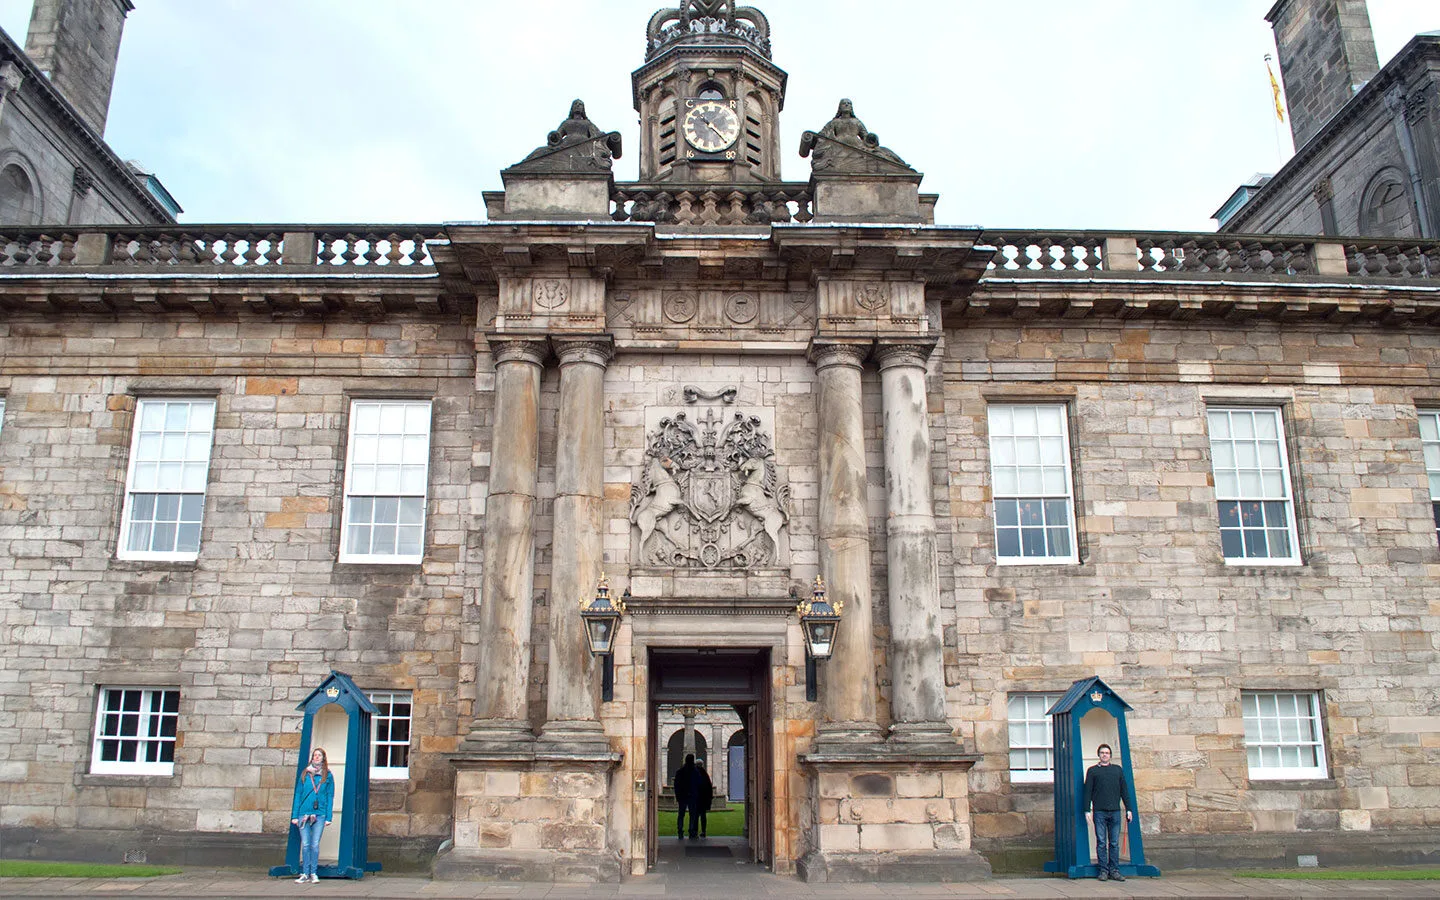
[[576, 552], [719, 757], [507, 588], [847, 680], [688, 747], [917, 650]]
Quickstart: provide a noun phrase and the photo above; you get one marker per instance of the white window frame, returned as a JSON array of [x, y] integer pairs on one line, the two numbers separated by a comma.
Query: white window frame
[[138, 479], [1023, 739], [1430, 447], [148, 735], [1266, 741], [1014, 456], [391, 773], [1275, 471], [363, 473]]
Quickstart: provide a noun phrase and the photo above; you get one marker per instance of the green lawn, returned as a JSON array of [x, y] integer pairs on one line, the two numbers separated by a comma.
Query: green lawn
[[730, 823], [26, 868], [1348, 874]]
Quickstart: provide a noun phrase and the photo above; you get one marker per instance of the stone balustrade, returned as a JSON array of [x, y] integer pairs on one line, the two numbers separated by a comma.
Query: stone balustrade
[[766, 205], [208, 246], [1021, 254], [1016, 254]]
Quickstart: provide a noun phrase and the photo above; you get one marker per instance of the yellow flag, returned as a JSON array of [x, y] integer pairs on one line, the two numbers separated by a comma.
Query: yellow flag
[[1275, 89]]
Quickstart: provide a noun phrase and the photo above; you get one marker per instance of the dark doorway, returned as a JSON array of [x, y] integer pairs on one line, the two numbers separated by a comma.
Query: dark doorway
[[739, 678]]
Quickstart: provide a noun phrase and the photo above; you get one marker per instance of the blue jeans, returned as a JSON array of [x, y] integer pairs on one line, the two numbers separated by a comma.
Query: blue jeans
[[1107, 839], [310, 845]]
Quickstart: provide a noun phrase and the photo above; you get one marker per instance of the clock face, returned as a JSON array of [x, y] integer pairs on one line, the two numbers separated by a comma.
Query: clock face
[[712, 125]]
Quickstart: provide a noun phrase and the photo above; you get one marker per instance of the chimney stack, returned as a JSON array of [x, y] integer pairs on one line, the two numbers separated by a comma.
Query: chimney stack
[[1327, 51], [76, 43]]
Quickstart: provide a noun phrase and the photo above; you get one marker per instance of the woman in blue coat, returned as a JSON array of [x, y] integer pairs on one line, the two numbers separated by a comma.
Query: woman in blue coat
[[312, 810]]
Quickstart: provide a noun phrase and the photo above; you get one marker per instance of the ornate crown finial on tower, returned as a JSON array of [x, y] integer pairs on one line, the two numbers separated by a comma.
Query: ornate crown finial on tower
[[707, 22]]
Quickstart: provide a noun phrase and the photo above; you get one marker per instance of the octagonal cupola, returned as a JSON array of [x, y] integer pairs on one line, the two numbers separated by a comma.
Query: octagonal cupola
[[709, 97]]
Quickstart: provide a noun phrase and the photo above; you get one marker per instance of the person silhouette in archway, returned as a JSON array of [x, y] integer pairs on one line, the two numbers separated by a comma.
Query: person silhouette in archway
[[704, 797], [687, 786]]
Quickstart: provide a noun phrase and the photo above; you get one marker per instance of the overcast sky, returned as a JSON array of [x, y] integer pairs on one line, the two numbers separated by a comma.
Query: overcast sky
[[1112, 114]]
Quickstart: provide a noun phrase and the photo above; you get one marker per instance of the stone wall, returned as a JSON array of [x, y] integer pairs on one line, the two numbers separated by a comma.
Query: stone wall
[[1153, 609], [266, 612]]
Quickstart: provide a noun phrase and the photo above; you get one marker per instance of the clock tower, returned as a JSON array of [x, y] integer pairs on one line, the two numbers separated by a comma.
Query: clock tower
[[709, 97]]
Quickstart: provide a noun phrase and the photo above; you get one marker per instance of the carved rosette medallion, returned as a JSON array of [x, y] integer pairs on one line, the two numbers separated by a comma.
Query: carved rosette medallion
[[742, 308], [709, 496], [680, 308], [551, 293]]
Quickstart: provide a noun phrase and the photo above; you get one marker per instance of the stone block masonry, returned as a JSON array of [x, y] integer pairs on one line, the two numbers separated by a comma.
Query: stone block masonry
[[245, 631]]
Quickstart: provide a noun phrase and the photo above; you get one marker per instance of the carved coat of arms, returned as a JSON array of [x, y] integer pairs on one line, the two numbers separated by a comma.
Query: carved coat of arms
[[709, 496]]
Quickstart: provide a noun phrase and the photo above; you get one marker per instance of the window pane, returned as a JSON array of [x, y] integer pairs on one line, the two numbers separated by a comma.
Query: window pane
[[1282, 735], [1247, 456], [387, 509], [1007, 541], [169, 465], [187, 539], [408, 540], [1059, 541], [136, 731], [359, 543], [139, 537], [362, 509], [1029, 464], [386, 477], [1430, 426], [1030, 736]]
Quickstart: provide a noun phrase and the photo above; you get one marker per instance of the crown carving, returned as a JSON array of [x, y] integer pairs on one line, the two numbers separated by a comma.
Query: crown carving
[[707, 22]]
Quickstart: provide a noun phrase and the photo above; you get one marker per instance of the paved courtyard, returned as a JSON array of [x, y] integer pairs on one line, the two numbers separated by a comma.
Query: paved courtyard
[[708, 883]]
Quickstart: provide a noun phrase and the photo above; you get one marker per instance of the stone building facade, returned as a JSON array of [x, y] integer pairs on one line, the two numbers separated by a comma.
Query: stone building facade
[[1367, 138], [231, 461], [55, 167]]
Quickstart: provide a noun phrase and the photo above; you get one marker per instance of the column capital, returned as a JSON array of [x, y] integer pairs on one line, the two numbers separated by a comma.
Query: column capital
[[510, 349], [597, 350], [908, 354], [850, 354]]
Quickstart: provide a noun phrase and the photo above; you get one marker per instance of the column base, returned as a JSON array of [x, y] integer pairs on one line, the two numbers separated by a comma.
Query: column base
[[933, 734], [568, 867], [892, 810], [823, 866], [574, 734], [498, 736], [840, 735], [534, 813]]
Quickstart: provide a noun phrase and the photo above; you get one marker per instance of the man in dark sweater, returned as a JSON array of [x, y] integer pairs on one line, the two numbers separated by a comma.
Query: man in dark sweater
[[1106, 790]]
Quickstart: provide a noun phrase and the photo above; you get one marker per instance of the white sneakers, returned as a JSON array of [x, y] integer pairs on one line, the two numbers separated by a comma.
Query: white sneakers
[[307, 879]]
